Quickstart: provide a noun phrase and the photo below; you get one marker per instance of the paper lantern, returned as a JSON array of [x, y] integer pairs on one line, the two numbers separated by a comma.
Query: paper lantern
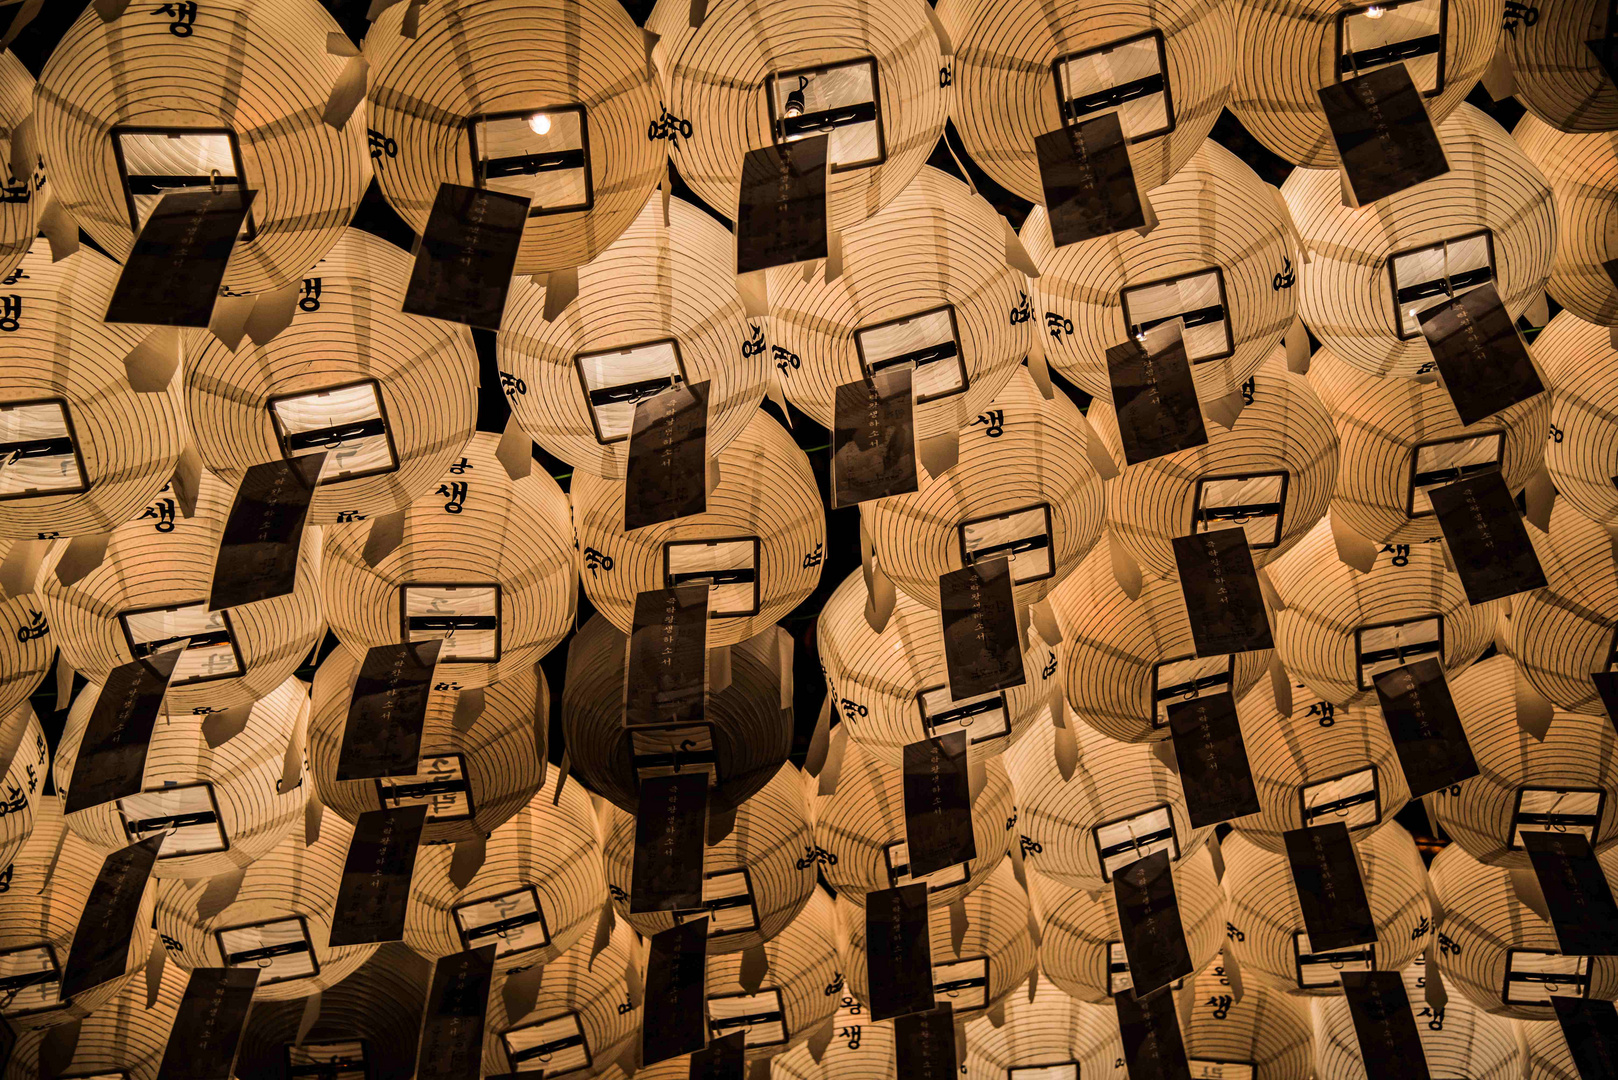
[[1502, 956], [995, 955], [764, 516], [1024, 477], [1338, 629], [479, 544], [350, 363], [367, 1025], [1081, 947], [1457, 1040], [65, 380], [48, 885], [892, 688], [1567, 781], [26, 647], [729, 81], [1125, 661], [658, 306], [492, 758], [1219, 257], [123, 1039], [1554, 73], [1282, 454], [581, 1021], [221, 806], [151, 591], [744, 736], [1559, 635], [541, 877], [24, 772], [1023, 69], [755, 879], [860, 829], [1317, 764], [1398, 438], [1581, 364], [550, 101], [1286, 52], [20, 204], [929, 272], [1266, 932], [1046, 1029], [1255, 1031], [1121, 804], [1546, 1053], [860, 1049], [229, 94], [1490, 218], [279, 921], [1583, 172]]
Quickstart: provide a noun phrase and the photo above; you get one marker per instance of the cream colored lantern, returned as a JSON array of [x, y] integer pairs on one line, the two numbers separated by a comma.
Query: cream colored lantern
[[1582, 364], [860, 1049], [1554, 73], [26, 647], [1583, 172], [22, 203], [1255, 1031], [27, 759], [1045, 1029]]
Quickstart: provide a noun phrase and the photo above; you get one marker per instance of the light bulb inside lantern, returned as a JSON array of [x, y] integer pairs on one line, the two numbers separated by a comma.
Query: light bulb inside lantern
[[1373, 12], [540, 124]]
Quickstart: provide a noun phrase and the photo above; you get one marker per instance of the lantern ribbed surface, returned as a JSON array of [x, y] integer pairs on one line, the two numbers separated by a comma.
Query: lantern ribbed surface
[[859, 823], [153, 585], [510, 534], [716, 79], [1332, 614], [1006, 88], [1261, 1027], [766, 492], [19, 211], [1554, 73], [1032, 458], [876, 680], [26, 760], [500, 753], [1579, 753], [802, 966], [474, 59], [1220, 241], [295, 882], [257, 69], [1284, 429], [63, 358], [1383, 422], [1046, 1027], [1287, 51], [241, 778], [1582, 367], [657, 283], [1079, 928], [860, 1049], [1346, 288], [26, 645], [935, 247], [1266, 921], [1583, 172], [1548, 1054], [348, 335]]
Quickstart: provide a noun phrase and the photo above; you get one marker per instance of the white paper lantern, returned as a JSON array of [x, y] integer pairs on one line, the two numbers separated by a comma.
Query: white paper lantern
[[20, 207], [22, 783], [1256, 1028], [1582, 455], [1554, 72], [26, 647], [860, 1049], [1547, 1053], [1044, 1027], [1583, 173]]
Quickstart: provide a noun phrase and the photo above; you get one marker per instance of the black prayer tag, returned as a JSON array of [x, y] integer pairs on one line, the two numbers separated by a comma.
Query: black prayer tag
[[1576, 892], [671, 825], [667, 475], [382, 736], [674, 1016], [668, 656], [782, 214], [982, 652], [1088, 181], [1486, 536], [1214, 770], [1154, 395], [1222, 594], [1606, 683], [258, 553], [208, 1027], [1149, 917], [938, 811], [1326, 875], [1425, 727], [724, 1059], [1383, 134], [375, 888], [101, 943], [1591, 1030], [112, 754], [174, 271], [1484, 363], [873, 438], [1384, 1025], [468, 252], [898, 945], [452, 1028], [1153, 1046], [924, 1044]]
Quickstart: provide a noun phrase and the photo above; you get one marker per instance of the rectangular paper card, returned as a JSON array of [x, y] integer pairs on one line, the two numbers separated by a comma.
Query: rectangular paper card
[[1089, 182], [667, 475], [382, 736], [375, 889], [1153, 1046], [174, 271], [468, 252], [1581, 904], [924, 1044], [1154, 396], [452, 1028], [208, 1027], [1591, 1031], [724, 1059], [671, 825], [112, 754], [782, 215], [1383, 134], [1326, 875], [258, 553], [938, 808], [668, 656], [1149, 917], [1425, 727], [899, 943], [1486, 536], [1222, 594], [873, 438], [674, 1019], [1384, 1024], [982, 652], [1214, 770], [1607, 687], [1483, 360], [101, 952]]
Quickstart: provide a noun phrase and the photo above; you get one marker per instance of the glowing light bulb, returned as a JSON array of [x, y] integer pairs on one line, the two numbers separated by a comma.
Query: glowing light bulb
[[1373, 12], [540, 124]]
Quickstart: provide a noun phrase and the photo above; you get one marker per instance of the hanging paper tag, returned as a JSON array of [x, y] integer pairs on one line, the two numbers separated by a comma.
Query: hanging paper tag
[[467, 255]]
